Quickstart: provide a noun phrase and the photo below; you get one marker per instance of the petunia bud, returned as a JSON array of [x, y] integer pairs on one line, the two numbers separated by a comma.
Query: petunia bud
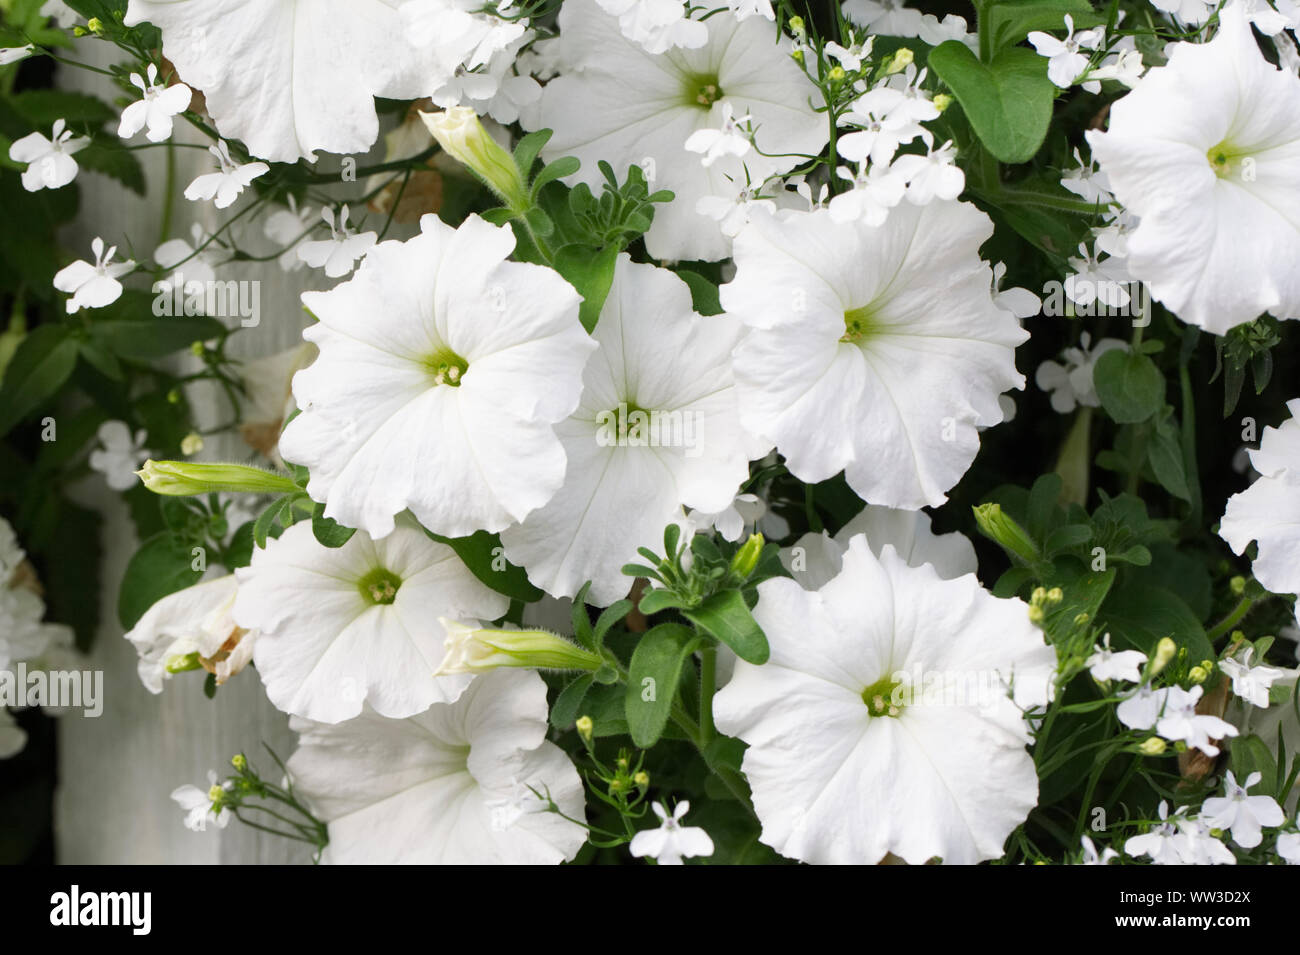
[[746, 559], [477, 650], [461, 135], [997, 526], [181, 478]]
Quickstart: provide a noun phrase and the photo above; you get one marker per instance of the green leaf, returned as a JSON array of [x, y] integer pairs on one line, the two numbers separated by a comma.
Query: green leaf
[[1008, 101], [591, 272], [1083, 591], [1139, 615], [1010, 21], [726, 617], [40, 366], [160, 567], [558, 169], [608, 617], [660, 599], [328, 531], [144, 339], [704, 294], [1165, 454], [653, 673], [1129, 385], [527, 149], [116, 163], [564, 712], [266, 521], [484, 556], [42, 107]]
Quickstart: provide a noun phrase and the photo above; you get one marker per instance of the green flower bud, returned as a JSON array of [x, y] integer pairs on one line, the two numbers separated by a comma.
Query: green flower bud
[[998, 527], [182, 478], [746, 559], [1165, 651], [900, 61], [461, 135], [941, 101], [585, 727], [239, 762], [478, 650], [1153, 746], [1198, 675]]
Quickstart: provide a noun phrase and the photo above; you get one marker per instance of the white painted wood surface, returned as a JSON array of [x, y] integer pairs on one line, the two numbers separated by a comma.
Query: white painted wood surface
[[116, 772]]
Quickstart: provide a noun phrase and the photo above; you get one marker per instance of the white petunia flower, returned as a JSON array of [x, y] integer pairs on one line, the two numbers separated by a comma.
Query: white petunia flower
[[1269, 510], [884, 17], [1250, 682], [156, 110], [1179, 721], [341, 627], [93, 286], [883, 722], [1070, 381], [885, 373], [1205, 151], [436, 788], [657, 25], [656, 430], [1065, 61], [1091, 857], [671, 841], [290, 228], [815, 559], [23, 635], [119, 455], [199, 806], [443, 371], [49, 161], [228, 182], [196, 620], [616, 102], [338, 254], [1106, 664], [288, 79], [1242, 814]]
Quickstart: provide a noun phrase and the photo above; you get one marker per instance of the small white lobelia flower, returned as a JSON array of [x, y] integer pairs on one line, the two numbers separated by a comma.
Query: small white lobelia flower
[[733, 138], [1087, 182], [671, 842], [1288, 847], [156, 110], [1142, 708], [1268, 20], [743, 9], [616, 102], [119, 455], [194, 621], [745, 511], [1179, 721], [885, 374], [855, 753], [877, 188], [883, 119], [228, 182], [1094, 280], [1269, 510], [62, 14], [732, 212], [816, 558], [935, 175], [1065, 61], [442, 368], [1020, 302], [195, 262], [656, 430], [1250, 682], [1106, 664], [290, 228], [15, 54], [288, 79], [884, 17], [1160, 842], [851, 56], [657, 25], [1191, 12], [93, 286], [339, 253], [1240, 813], [49, 161], [1206, 152], [1070, 381], [1196, 843], [342, 627], [1123, 65], [202, 806], [450, 785], [1092, 857]]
